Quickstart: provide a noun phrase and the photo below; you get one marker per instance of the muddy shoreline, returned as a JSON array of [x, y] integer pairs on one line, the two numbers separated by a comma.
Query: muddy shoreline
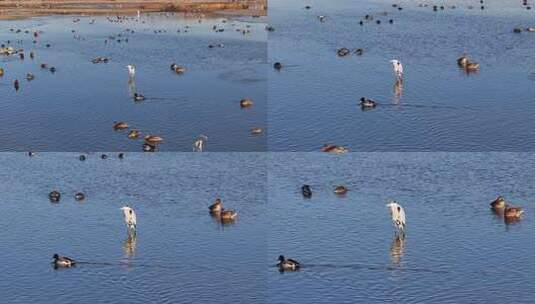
[[30, 8]]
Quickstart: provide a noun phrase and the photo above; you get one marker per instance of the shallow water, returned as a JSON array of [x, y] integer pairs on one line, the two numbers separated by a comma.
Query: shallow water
[[180, 255], [455, 250], [313, 100], [75, 108]]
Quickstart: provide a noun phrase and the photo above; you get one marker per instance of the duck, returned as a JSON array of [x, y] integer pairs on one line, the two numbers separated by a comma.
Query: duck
[[288, 264], [82, 157], [498, 203], [148, 147], [367, 103], [216, 207], [277, 66], [340, 190], [61, 261], [245, 103], [334, 149], [343, 52], [54, 196], [133, 134], [153, 139], [512, 212], [52, 70], [177, 69], [30, 77], [472, 66], [16, 84], [321, 18], [79, 196], [306, 191], [139, 97], [121, 125], [462, 61], [359, 52], [256, 131], [228, 215]]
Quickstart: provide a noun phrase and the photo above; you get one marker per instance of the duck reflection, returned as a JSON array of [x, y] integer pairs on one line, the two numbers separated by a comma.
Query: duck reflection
[[397, 89], [396, 249]]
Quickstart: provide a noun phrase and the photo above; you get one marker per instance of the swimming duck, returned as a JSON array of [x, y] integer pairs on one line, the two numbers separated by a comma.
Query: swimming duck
[[148, 147], [120, 155], [31, 154], [79, 196], [133, 134], [21, 55], [359, 52], [498, 203], [343, 52], [245, 103], [30, 77], [121, 125], [462, 61], [517, 30], [277, 66], [16, 84], [82, 157], [178, 69], [216, 207], [52, 69], [472, 66], [43, 65], [104, 156], [288, 264], [340, 190], [256, 131], [367, 103], [306, 191], [321, 18], [333, 149], [530, 29], [32, 55], [153, 139], [139, 97], [61, 261], [54, 196], [228, 215], [512, 212]]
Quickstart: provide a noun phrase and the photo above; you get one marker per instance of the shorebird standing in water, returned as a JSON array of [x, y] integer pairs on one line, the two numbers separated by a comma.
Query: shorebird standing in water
[[198, 145], [398, 217], [130, 219], [398, 68], [131, 71]]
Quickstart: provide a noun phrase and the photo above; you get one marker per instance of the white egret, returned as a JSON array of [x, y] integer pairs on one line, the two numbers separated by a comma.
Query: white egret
[[397, 67], [198, 145], [398, 216], [129, 219]]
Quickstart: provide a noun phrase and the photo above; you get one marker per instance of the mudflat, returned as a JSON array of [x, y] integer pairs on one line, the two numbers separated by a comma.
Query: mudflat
[[11, 9]]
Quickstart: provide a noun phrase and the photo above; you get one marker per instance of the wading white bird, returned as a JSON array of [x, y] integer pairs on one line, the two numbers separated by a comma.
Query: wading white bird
[[198, 145], [131, 71], [129, 219], [397, 67], [398, 216]]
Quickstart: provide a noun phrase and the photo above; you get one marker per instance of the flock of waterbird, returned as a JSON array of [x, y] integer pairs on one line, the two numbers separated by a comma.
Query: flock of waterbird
[[464, 62], [151, 141], [216, 210], [499, 206]]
